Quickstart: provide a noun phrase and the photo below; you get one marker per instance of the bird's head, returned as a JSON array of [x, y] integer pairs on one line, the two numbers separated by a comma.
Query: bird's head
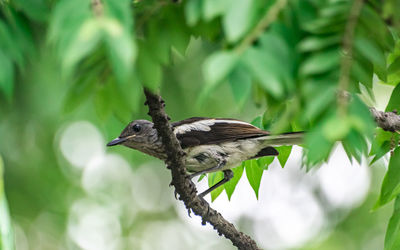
[[139, 135]]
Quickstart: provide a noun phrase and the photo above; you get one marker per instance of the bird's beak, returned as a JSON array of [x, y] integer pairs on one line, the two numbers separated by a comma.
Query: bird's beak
[[117, 141]]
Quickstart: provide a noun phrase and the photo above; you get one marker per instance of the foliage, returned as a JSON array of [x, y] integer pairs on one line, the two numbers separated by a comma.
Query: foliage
[[286, 56]]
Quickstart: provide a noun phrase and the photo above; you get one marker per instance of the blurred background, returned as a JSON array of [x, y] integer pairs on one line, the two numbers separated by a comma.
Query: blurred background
[[66, 190]]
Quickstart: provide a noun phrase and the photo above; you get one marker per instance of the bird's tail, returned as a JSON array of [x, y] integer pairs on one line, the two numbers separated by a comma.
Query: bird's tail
[[287, 139]]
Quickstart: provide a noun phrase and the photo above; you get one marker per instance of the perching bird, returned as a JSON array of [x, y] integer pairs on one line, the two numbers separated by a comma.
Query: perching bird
[[210, 144]]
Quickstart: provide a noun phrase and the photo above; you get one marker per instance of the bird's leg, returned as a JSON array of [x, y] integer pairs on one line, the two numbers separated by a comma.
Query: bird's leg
[[228, 175]]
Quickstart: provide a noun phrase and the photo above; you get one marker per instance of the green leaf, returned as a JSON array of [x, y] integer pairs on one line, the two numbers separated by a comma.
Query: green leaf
[[370, 50], [391, 182], [392, 238], [240, 82], [214, 8], [265, 161], [193, 11], [321, 62], [315, 43], [381, 144], [82, 44], [6, 76], [263, 66], [394, 102], [284, 153], [238, 19], [231, 185], [254, 174], [394, 66], [214, 178], [218, 66], [336, 128], [148, 69], [318, 147]]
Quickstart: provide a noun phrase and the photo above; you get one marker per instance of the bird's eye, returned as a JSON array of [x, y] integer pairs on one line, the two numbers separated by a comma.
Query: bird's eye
[[136, 128]]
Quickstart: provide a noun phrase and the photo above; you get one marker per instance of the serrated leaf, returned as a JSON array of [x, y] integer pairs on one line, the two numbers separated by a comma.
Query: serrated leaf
[[231, 185], [394, 102], [321, 62], [240, 82], [391, 182], [254, 175], [214, 178], [284, 153], [392, 238], [263, 66], [238, 19], [218, 66]]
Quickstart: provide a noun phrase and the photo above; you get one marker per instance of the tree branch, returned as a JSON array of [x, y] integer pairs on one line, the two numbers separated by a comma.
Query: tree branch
[[181, 181], [388, 121]]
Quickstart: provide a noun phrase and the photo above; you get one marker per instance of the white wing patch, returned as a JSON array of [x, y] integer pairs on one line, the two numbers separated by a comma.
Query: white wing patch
[[203, 125]]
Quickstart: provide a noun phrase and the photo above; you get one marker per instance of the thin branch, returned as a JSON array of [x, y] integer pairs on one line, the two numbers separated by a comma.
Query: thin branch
[[270, 16], [347, 58], [388, 121], [182, 183]]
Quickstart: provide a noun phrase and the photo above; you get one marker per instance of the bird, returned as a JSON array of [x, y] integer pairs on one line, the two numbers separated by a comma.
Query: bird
[[209, 144]]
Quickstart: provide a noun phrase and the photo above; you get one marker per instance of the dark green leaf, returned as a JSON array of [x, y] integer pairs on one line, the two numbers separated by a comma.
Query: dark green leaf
[[231, 185], [6, 76], [394, 66], [394, 102], [392, 238], [240, 82], [391, 182], [254, 174]]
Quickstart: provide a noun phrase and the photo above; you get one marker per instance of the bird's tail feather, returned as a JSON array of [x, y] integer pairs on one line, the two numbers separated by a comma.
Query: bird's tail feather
[[293, 138]]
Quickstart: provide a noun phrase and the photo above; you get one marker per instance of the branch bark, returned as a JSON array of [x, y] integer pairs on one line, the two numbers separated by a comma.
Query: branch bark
[[388, 121], [181, 181]]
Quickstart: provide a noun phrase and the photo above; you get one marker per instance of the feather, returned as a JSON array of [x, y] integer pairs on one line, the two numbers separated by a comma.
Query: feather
[[204, 131]]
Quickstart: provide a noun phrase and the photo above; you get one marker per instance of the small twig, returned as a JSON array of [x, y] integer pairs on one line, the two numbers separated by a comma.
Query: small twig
[[347, 57], [270, 16], [181, 181]]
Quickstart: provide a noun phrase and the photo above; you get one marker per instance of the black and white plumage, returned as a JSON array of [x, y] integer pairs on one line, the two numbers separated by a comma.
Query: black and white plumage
[[210, 144]]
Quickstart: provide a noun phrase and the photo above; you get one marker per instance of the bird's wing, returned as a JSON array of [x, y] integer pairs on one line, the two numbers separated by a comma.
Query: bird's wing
[[202, 131]]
